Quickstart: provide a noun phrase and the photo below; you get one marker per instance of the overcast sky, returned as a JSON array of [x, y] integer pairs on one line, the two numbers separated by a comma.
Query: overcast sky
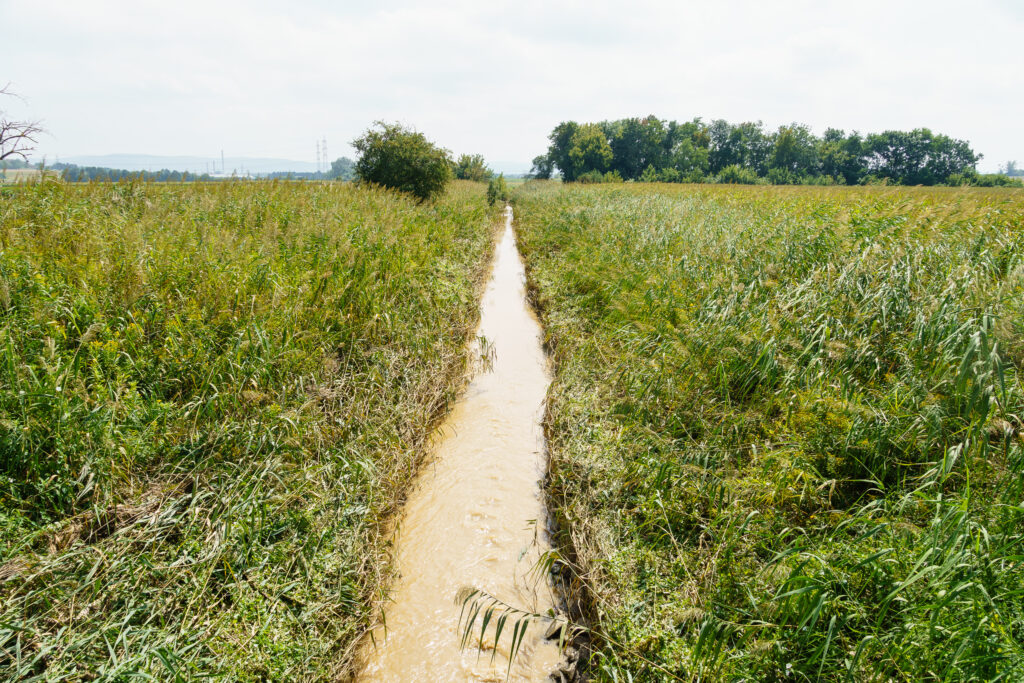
[[256, 78]]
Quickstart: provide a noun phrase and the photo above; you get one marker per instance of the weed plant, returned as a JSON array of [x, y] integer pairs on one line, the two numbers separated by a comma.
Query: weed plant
[[785, 427], [211, 396]]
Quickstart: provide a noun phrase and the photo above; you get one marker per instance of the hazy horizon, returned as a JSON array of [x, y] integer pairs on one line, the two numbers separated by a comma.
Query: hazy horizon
[[262, 80], [226, 164]]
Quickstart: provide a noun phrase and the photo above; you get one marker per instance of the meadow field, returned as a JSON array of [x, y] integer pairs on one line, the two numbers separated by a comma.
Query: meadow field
[[13, 176], [211, 398], [784, 431], [785, 427]]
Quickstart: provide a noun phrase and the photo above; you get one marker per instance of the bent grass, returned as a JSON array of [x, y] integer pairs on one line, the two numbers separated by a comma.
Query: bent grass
[[785, 427], [211, 396]]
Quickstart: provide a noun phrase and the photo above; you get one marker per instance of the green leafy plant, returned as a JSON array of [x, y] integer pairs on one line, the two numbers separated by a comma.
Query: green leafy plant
[[737, 175], [472, 167], [497, 190], [394, 156]]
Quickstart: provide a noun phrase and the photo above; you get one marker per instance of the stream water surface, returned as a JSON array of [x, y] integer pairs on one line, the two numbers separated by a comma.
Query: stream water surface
[[475, 516]]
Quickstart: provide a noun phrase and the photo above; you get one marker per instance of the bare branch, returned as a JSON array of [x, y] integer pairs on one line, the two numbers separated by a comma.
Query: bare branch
[[17, 138]]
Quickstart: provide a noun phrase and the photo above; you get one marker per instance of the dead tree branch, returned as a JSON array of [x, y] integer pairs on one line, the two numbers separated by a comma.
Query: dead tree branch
[[17, 138]]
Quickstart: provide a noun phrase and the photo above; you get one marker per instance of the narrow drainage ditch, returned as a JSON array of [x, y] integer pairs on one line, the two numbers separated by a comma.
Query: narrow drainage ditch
[[475, 516]]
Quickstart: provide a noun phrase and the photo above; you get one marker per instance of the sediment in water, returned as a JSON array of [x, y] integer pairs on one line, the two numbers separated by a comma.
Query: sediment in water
[[475, 516]]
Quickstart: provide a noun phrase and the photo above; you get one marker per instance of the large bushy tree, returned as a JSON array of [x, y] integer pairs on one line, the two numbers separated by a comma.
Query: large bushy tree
[[558, 150], [588, 151], [842, 156], [744, 144], [795, 151], [542, 168], [918, 157], [398, 157], [472, 167], [637, 144]]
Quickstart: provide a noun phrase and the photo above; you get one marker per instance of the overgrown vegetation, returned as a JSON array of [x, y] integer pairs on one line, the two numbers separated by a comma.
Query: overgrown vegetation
[[786, 427], [210, 397], [651, 150], [497, 190]]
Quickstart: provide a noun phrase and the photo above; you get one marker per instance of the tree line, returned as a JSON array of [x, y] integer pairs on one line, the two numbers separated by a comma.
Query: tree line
[[341, 169], [652, 150], [466, 167], [74, 173]]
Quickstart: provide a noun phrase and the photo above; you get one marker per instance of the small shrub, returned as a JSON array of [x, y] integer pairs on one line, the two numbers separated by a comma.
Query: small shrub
[[402, 159], [497, 190], [694, 176], [782, 176], [737, 175], [591, 177], [670, 175], [995, 180], [650, 175]]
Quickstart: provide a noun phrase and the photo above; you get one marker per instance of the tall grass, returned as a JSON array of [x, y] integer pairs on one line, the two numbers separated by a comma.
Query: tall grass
[[785, 427], [210, 398]]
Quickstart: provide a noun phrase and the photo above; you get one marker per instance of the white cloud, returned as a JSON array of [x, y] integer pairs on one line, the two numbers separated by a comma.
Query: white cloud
[[268, 79]]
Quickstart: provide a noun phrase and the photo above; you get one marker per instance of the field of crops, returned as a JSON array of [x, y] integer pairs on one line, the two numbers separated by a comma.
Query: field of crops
[[210, 397], [785, 426]]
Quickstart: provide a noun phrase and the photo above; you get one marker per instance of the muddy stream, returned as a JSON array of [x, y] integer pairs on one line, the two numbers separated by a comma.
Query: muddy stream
[[475, 516]]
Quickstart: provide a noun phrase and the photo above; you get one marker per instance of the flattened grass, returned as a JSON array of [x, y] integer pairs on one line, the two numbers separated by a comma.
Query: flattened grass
[[210, 398], [785, 426]]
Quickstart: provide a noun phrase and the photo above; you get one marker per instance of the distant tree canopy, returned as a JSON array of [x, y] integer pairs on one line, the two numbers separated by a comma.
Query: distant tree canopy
[[82, 174], [650, 149], [542, 167], [472, 167], [343, 169], [394, 156], [1011, 169]]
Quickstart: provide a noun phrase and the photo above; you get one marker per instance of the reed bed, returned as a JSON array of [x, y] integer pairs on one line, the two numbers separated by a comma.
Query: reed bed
[[211, 396], [786, 427]]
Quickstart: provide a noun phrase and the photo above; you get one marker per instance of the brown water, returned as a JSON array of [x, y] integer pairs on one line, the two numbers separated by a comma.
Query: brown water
[[475, 515]]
